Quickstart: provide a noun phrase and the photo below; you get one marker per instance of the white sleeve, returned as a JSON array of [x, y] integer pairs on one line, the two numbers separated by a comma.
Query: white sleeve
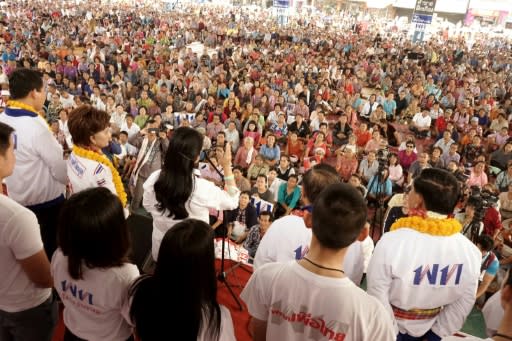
[[379, 277], [50, 151], [255, 296], [24, 236], [381, 326], [208, 195], [452, 317]]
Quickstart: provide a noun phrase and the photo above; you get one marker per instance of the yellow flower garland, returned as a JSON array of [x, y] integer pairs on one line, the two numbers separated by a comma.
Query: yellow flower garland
[[432, 226], [20, 105], [89, 154]]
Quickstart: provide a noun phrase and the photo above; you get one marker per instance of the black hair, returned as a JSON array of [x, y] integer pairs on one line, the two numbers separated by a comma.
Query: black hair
[[187, 249], [92, 231], [339, 215], [175, 183], [439, 189], [267, 213], [22, 81], [5, 137], [486, 243], [317, 178]]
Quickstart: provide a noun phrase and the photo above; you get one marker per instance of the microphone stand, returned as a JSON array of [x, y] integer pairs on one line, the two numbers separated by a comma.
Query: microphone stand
[[222, 276]]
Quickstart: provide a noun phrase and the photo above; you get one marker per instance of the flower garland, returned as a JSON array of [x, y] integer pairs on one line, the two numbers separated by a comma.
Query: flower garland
[[429, 225], [89, 154], [20, 105]]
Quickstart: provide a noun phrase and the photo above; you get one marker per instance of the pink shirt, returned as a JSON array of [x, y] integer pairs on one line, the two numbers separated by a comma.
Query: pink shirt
[[477, 180]]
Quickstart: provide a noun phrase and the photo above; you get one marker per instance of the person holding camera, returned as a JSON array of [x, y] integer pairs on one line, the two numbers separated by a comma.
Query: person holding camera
[[152, 144], [380, 187]]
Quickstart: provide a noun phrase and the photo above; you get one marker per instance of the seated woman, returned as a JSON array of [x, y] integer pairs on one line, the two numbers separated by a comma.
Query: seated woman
[[346, 163], [396, 174], [91, 271], [380, 188], [246, 153], [315, 143], [87, 165], [253, 131], [270, 151], [288, 197], [188, 300], [477, 176], [241, 219]]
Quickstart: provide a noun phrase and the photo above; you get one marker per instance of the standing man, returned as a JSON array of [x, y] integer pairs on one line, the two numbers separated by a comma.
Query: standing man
[[424, 270], [40, 176], [28, 311], [313, 299]]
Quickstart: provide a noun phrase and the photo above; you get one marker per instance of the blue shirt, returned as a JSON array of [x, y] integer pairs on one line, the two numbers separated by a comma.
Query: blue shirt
[[493, 268], [270, 153], [379, 187], [389, 107], [289, 199]]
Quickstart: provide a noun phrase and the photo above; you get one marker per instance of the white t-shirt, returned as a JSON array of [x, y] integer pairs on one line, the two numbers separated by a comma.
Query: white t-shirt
[[288, 239], [205, 195], [227, 333], [40, 172], [85, 173], [493, 313], [20, 238], [94, 305], [300, 305], [422, 121]]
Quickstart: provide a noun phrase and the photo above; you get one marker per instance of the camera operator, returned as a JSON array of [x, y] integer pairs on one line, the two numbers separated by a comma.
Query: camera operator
[[471, 219], [152, 144], [380, 187], [492, 217]]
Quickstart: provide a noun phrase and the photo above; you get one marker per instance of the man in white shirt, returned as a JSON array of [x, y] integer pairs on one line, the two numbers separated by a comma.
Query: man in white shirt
[[130, 127], [66, 99], [420, 124], [288, 238], [312, 299], [424, 271], [40, 176], [28, 311]]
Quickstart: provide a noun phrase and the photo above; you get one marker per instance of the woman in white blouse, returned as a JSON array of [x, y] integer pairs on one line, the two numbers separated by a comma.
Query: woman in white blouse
[[176, 192]]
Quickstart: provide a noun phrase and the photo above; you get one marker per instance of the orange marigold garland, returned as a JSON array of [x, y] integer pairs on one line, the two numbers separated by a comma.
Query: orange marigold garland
[[432, 226]]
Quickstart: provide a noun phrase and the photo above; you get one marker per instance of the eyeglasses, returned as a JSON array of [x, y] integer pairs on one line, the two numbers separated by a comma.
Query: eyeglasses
[[410, 146], [308, 208]]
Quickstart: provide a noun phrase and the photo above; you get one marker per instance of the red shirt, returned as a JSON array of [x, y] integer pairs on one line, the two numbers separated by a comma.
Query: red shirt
[[492, 221]]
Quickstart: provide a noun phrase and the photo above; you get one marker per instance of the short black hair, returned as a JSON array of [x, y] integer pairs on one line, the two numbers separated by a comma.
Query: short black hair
[[339, 215], [317, 178], [92, 231], [439, 189], [267, 213], [22, 81], [486, 243], [5, 137]]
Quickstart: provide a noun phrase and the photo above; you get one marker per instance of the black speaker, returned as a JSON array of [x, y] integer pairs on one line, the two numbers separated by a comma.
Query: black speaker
[[141, 229]]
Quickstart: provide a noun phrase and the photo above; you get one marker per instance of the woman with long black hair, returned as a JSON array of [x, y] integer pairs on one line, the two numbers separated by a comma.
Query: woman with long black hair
[[179, 301], [176, 192]]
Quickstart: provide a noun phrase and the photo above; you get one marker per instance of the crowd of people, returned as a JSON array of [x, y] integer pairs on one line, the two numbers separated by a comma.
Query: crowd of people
[[294, 141]]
